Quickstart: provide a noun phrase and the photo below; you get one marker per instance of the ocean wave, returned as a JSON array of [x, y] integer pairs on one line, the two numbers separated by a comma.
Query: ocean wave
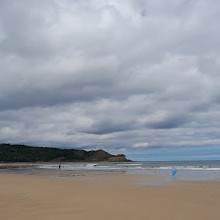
[[130, 164], [185, 168]]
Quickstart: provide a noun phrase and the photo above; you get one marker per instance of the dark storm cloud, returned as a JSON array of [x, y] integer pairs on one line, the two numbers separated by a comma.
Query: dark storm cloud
[[124, 75]]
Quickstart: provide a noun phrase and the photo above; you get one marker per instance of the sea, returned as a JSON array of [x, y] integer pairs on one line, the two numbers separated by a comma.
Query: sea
[[186, 170]]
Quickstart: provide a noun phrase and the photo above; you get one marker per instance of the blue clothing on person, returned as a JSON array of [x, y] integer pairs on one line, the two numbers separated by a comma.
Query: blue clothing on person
[[174, 171]]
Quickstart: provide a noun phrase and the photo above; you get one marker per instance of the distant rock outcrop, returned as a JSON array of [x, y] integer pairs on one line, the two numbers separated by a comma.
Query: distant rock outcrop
[[119, 158], [23, 153]]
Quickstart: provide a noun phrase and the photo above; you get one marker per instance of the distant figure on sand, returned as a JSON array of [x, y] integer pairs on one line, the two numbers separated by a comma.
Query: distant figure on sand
[[59, 166]]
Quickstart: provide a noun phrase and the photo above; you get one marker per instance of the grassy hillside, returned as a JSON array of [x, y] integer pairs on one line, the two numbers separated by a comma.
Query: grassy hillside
[[23, 153]]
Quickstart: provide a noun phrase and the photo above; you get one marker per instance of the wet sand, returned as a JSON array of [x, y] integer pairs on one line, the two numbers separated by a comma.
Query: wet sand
[[110, 196], [16, 165]]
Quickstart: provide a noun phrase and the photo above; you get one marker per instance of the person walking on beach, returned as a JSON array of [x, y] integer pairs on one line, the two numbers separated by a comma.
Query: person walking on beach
[[59, 166]]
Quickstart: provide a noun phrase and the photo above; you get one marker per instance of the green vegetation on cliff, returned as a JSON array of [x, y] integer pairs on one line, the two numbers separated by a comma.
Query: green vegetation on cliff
[[23, 153]]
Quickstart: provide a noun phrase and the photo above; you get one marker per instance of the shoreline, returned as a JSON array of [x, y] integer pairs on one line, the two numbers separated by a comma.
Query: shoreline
[[68, 170]]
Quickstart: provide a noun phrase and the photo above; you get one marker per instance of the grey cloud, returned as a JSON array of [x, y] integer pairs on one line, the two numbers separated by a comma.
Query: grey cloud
[[92, 73], [170, 122], [108, 127]]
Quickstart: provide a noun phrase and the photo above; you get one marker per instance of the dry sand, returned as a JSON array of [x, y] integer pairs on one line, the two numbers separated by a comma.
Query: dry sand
[[105, 197]]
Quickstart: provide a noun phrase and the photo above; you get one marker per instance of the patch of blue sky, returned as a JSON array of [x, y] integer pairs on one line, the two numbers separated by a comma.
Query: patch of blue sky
[[177, 154]]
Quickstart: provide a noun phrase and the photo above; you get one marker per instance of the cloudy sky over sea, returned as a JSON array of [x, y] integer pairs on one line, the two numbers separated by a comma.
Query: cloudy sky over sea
[[127, 76]]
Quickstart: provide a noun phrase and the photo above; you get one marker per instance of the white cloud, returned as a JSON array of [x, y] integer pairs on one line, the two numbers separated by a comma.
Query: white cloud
[[141, 145]]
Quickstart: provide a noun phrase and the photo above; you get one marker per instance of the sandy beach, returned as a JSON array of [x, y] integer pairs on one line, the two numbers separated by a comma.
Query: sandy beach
[[111, 196]]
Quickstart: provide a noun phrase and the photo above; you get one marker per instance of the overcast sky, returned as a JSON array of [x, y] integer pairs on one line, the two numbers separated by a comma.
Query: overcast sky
[[125, 76]]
